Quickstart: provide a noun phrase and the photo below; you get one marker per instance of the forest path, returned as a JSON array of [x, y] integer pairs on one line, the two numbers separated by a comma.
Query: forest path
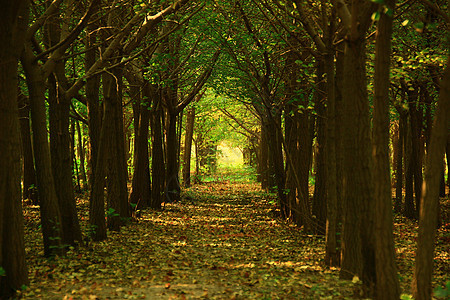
[[222, 241]]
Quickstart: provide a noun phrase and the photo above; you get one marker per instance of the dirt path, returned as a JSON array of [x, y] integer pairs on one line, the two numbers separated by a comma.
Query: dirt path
[[223, 243]]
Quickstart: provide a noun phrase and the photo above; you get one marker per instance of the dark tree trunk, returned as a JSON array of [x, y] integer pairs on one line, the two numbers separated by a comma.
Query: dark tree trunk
[[332, 252], [273, 131], [117, 173], [61, 157], [13, 21], [387, 285], [399, 161], [92, 97], [190, 120], [416, 134], [141, 186], [319, 207], [358, 255], [409, 209], [50, 214], [29, 190], [423, 274], [291, 135], [158, 167], [172, 190], [264, 159]]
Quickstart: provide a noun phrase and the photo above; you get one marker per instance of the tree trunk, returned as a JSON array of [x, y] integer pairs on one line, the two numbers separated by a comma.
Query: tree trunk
[[189, 134], [158, 167], [399, 162], [117, 173], [264, 158], [409, 210], [273, 130], [92, 98], [416, 133], [29, 174], [61, 158], [331, 248], [430, 194], [319, 207], [358, 256], [13, 20], [141, 186], [50, 214], [172, 190], [387, 285]]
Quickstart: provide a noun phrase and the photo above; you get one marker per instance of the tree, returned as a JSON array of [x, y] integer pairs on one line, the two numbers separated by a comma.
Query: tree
[[430, 190], [13, 22], [358, 253], [387, 286]]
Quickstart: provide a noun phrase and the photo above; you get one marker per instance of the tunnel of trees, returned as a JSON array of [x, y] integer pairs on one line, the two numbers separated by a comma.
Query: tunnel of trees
[[341, 108]]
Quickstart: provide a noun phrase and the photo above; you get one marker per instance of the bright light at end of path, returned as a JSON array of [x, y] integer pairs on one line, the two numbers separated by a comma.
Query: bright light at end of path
[[230, 156]]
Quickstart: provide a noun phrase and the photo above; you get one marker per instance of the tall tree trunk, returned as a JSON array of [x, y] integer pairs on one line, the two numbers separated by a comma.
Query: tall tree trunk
[[409, 209], [13, 21], [416, 133], [172, 190], [319, 207], [29, 174], [331, 248], [50, 214], [387, 285], [430, 194], [399, 162], [190, 121], [117, 173], [273, 131], [358, 256], [158, 167], [61, 158], [92, 88], [141, 186], [264, 158]]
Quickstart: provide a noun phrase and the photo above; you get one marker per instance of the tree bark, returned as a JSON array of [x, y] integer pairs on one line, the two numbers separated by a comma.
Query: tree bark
[[387, 285], [141, 185], [430, 194], [358, 256], [189, 134], [319, 207], [264, 159], [50, 214], [331, 248], [13, 21], [92, 88], [29, 190], [117, 173], [158, 167]]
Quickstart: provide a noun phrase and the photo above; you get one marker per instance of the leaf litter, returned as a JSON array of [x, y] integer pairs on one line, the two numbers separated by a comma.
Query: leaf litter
[[222, 241]]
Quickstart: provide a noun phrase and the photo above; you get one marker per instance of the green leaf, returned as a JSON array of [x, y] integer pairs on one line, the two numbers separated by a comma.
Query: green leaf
[[376, 16], [389, 11], [378, 1], [2, 272]]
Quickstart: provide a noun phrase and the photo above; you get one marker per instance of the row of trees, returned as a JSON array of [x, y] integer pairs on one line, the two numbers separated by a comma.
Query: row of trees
[[131, 68]]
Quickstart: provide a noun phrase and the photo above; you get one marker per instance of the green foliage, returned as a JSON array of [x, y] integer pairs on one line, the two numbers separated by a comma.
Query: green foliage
[[111, 212], [442, 292], [2, 271]]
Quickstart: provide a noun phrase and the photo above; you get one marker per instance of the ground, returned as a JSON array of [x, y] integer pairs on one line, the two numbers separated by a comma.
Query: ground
[[224, 240]]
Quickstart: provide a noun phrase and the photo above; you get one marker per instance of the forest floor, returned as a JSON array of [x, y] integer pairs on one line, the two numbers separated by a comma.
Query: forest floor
[[222, 241]]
